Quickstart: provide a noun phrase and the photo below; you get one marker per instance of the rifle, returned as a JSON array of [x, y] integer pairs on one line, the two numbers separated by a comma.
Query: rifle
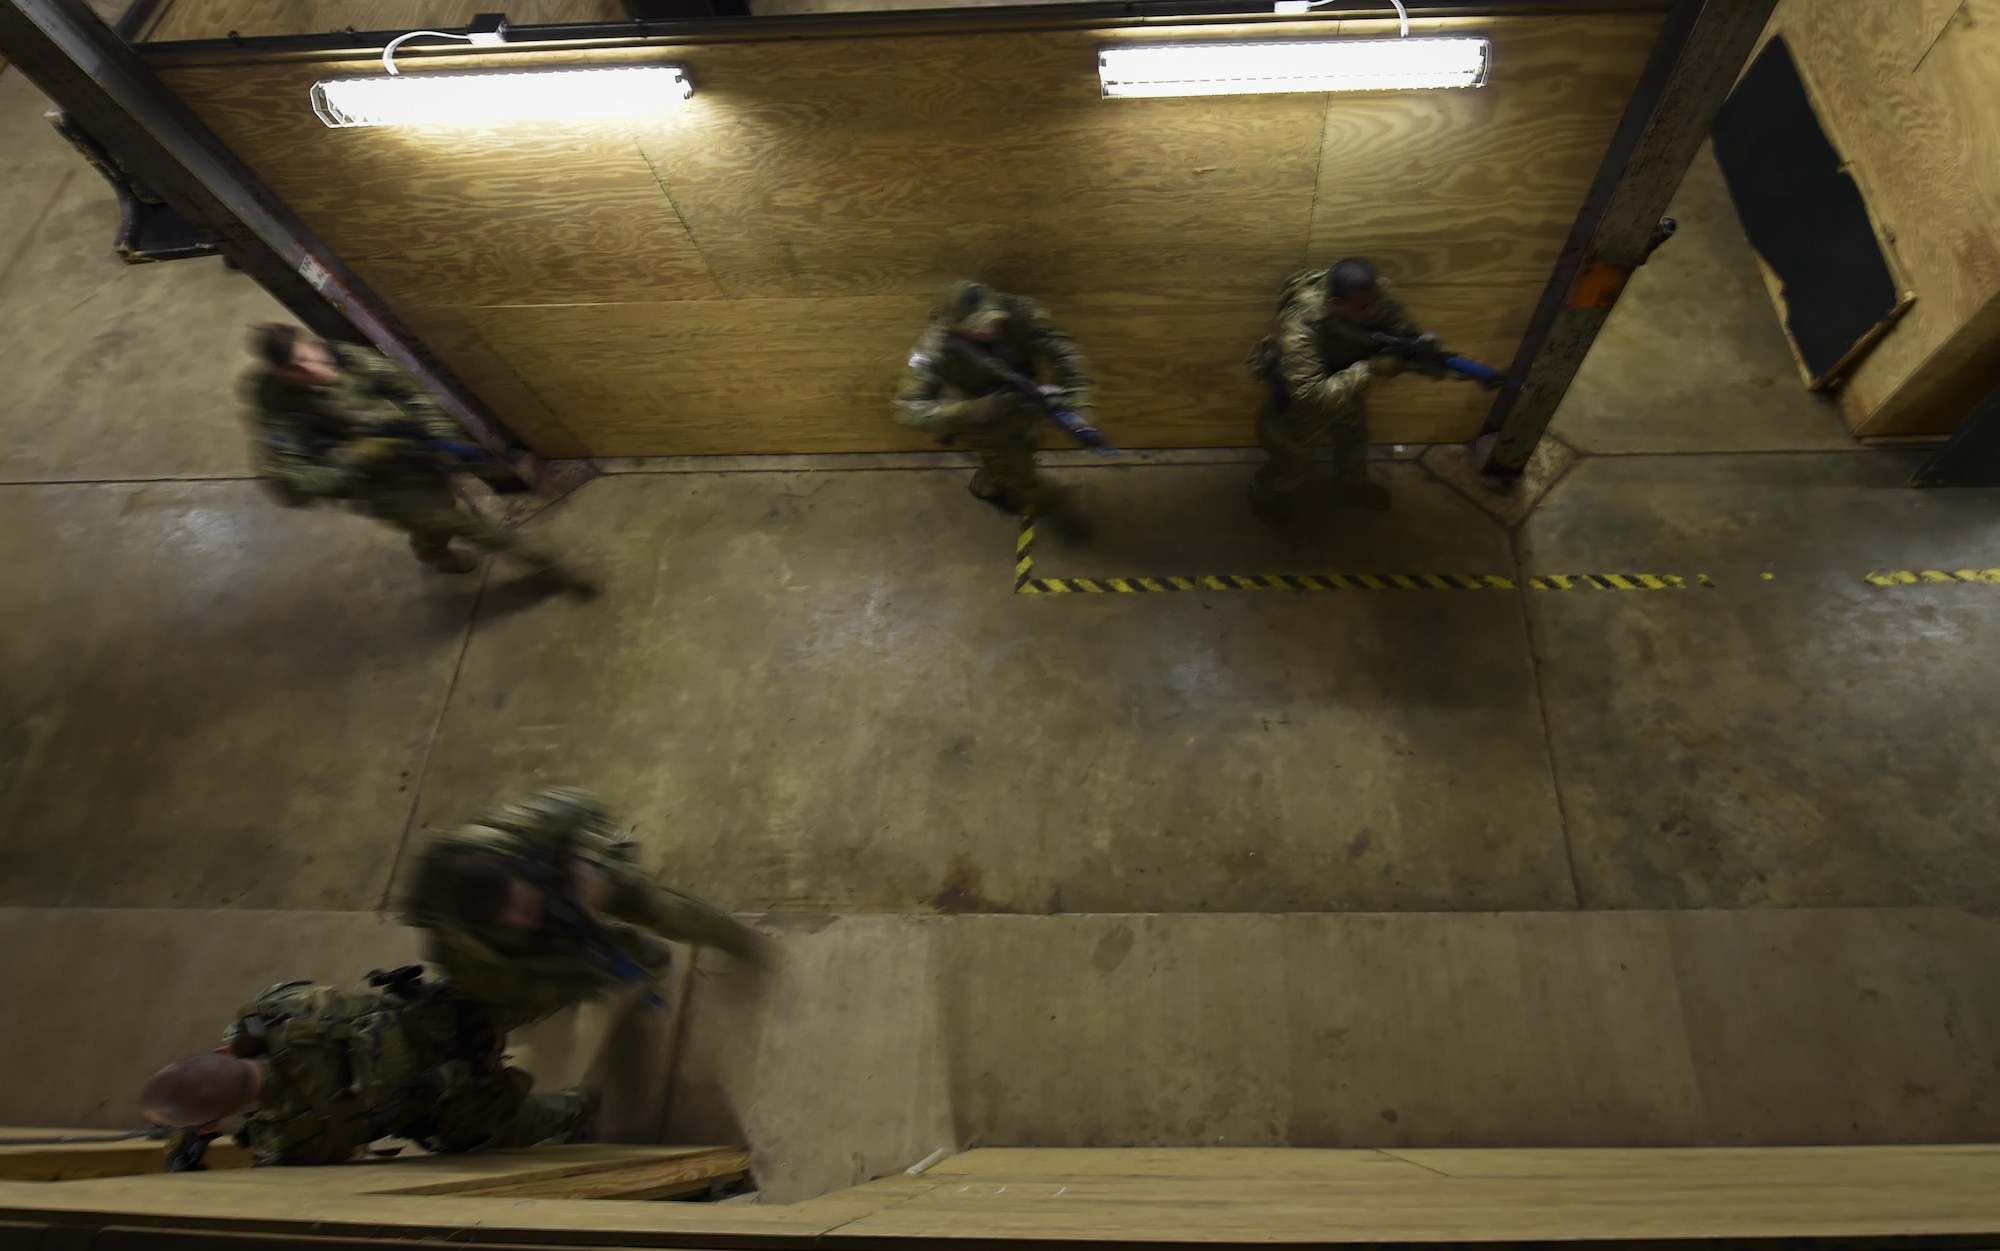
[[563, 914], [1425, 350], [1047, 400], [468, 456], [327, 433]]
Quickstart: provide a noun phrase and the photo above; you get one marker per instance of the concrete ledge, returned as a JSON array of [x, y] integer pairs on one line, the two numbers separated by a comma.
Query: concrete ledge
[[876, 1039]]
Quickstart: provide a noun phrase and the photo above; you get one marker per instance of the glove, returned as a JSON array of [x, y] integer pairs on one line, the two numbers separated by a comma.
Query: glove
[[1428, 342], [1385, 365]]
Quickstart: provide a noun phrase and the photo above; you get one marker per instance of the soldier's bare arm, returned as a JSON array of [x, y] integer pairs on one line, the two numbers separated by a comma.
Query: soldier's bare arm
[[634, 896]]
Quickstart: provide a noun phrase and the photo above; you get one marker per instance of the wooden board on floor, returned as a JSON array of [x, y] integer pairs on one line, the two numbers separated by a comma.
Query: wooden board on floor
[[1909, 92], [42, 1161], [746, 274], [666, 1175], [1183, 1196]]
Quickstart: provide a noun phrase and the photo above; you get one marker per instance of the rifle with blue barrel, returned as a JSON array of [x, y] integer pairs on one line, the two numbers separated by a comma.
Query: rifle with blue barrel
[[554, 874], [1428, 354], [1048, 401]]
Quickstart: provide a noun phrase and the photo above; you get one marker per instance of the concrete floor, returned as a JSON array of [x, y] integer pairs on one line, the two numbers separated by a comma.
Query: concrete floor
[[1484, 866]]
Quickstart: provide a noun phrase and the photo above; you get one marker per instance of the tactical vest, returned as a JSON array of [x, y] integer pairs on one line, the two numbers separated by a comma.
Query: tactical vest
[[1338, 348], [356, 1066]]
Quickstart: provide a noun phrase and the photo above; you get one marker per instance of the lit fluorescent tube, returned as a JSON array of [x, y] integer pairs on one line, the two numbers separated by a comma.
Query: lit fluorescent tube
[[482, 97], [1229, 69]]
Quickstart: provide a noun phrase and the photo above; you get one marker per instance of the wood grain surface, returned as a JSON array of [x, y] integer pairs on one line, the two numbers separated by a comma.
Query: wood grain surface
[[746, 274], [662, 379], [1114, 1196], [1909, 93], [215, 19], [451, 336], [1323, 1197]]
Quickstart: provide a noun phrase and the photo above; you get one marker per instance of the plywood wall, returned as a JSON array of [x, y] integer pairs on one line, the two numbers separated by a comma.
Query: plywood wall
[[1909, 92], [218, 19], [747, 275]]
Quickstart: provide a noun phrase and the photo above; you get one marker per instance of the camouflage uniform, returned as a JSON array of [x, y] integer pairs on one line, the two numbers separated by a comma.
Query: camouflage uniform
[[525, 977], [309, 444], [1315, 366], [411, 1060], [939, 380]]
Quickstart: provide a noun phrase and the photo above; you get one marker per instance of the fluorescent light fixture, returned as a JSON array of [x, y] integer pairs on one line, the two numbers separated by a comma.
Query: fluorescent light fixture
[[478, 98], [1230, 69]]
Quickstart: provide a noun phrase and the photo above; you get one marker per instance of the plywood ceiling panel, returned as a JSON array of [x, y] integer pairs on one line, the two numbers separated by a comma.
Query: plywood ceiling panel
[[747, 274]]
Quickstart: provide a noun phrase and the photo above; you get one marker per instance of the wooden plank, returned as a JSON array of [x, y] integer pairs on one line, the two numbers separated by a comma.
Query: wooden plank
[[217, 19], [704, 377], [1272, 1163], [1722, 1166], [443, 215], [77, 1161], [1315, 1197], [1905, 93], [908, 161], [700, 378], [447, 333], [643, 1179], [1475, 1196], [1492, 178], [746, 274]]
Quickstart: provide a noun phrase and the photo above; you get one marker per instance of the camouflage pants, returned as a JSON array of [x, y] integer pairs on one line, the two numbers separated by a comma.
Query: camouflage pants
[[499, 1111], [1006, 452], [1290, 438], [432, 517]]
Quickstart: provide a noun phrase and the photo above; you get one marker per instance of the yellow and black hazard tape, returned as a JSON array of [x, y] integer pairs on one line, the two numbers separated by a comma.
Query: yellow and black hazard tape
[[1026, 583], [1931, 577], [1029, 585]]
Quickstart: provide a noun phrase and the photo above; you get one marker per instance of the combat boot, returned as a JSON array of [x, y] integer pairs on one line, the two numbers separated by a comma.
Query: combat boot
[[1002, 498], [1271, 508]]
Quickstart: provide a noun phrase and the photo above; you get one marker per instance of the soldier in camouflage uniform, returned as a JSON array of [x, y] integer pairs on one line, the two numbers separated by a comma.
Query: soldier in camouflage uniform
[[947, 392], [539, 905], [332, 421], [319, 1073], [1317, 366]]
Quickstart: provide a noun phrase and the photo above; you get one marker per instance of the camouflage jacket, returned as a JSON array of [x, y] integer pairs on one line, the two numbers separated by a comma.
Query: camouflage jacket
[[1310, 348], [938, 377], [303, 436], [524, 978], [343, 1068]]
